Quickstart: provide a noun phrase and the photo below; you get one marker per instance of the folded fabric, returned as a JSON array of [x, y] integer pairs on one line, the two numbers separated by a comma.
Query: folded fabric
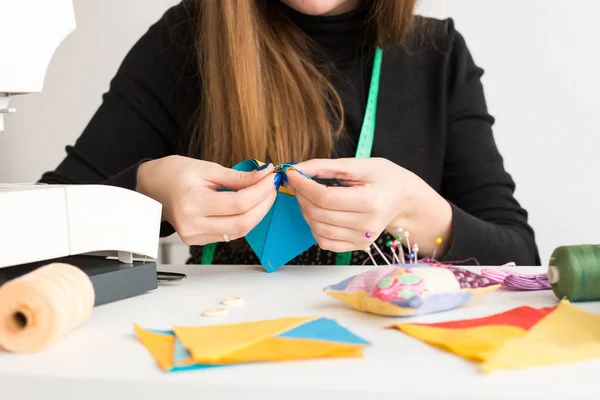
[[521, 337], [410, 290], [190, 348], [283, 233]]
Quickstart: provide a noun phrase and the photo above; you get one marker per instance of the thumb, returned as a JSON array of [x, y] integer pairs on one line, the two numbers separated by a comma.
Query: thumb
[[228, 178], [342, 169]]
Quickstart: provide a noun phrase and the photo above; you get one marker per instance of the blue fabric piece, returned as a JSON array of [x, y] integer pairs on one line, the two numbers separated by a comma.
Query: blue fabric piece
[[257, 237], [438, 302], [341, 286], [180, 353], [283, 233], [246, 165], [322, 329], [168, 333], [194, 367], [288, 235], [413, 302], [325, 330]]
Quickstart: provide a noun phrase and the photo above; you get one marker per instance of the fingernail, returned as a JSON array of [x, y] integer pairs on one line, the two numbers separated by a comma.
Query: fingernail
[[265, 166]]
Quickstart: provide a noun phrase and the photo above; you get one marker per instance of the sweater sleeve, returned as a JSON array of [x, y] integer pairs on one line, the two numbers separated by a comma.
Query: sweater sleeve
[[145, 113], [488, 222]]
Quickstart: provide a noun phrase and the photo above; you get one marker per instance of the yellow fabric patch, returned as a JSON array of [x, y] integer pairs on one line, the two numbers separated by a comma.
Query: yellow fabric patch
[[250, 342], [283, 189], [361, 301], [478, 292], [476, 343], [211, 344], [566, 335], [285, 349], [160, 346]]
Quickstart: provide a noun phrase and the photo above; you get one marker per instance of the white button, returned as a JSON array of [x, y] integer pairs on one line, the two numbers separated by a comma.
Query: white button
[[215, 312], [233, 301]]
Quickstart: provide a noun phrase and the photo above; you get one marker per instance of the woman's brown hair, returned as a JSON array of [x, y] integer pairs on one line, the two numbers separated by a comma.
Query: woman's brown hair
[[263, 96]]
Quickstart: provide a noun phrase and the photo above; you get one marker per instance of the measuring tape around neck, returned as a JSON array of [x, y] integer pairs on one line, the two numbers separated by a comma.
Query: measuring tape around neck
[[367, 132]]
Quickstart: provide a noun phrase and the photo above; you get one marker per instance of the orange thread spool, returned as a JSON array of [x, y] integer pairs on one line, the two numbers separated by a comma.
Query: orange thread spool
[[42, 307]]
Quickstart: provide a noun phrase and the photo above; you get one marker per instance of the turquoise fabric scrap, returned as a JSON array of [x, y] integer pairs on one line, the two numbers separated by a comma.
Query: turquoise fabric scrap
[[323, 329], [283, 233]]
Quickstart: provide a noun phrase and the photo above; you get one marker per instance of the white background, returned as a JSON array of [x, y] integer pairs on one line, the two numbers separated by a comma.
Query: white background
[[542, 82]]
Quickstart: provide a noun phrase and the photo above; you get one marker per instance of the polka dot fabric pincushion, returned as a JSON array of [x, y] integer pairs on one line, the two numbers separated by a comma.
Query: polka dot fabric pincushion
[[410, 290]]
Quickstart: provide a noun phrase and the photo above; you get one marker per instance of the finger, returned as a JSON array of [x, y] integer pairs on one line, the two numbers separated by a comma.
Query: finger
[[338, 233], [330, 198], [335, 246], [345, 169], [227, 178], [235, 203], [238, 226], [348, 219], [201, 240]]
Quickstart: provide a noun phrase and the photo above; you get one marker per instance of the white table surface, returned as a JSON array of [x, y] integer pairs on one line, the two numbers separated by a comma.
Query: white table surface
[[104, 360]]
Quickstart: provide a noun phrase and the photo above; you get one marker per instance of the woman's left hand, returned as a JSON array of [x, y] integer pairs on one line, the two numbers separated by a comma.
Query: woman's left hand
[[375, 195]]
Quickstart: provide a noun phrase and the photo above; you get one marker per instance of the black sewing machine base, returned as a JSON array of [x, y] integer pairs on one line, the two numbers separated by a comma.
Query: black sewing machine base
[[112, 279]]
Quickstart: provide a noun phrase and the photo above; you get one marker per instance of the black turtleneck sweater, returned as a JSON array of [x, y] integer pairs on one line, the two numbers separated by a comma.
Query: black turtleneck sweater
[[431, 119]]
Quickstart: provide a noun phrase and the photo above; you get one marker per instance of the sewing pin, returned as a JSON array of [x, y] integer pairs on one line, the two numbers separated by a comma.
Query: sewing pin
[[401, 250], [438, 241], [398, 245], [392, 245], [368, 251], [406, 235], [381, 254], [415, 251]]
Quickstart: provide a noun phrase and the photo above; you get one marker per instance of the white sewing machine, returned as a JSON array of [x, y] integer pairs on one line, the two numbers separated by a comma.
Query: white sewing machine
[[42, 223]]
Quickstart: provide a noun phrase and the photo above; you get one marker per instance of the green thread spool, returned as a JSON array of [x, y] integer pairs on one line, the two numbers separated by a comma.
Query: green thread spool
[[574, 272]]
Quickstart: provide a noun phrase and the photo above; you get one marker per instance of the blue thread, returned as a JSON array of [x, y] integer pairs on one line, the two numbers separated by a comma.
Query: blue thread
[[277, 181], [281, 174]]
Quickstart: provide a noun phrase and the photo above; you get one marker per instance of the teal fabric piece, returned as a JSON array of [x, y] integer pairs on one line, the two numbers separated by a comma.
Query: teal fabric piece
[[257, 237], [322, 329], [246, 165], [283, 233], [180, 353], [326, 330], [287, 236]]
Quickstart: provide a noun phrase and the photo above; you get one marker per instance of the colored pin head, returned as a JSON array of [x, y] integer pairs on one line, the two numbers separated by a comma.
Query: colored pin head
[[438, 241], [399, 231], [368, 235], [395, 244], [388, 243], [405, 234]]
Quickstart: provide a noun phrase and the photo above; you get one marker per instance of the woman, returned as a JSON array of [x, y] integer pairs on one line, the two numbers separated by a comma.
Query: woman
[[216, 82]]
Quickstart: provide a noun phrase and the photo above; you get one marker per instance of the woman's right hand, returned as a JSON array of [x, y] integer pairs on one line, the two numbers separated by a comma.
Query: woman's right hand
[[188, 191]]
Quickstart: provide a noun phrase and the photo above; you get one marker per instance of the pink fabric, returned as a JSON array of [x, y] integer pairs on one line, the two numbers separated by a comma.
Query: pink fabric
[[368, 279]]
